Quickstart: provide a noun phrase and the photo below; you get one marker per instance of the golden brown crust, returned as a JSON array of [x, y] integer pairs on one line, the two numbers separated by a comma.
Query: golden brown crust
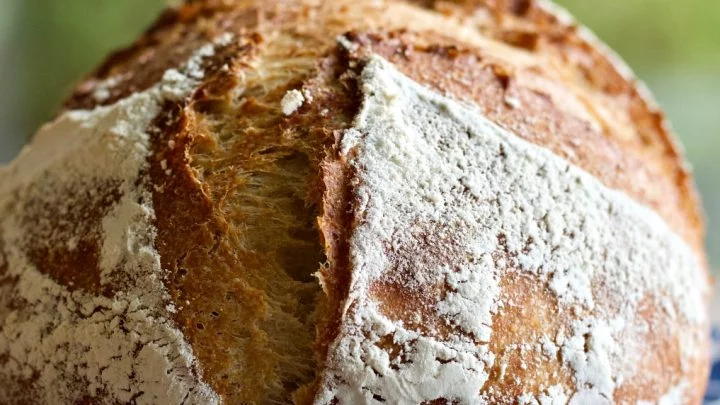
[[542, 106], [229, 150], [592, 114]]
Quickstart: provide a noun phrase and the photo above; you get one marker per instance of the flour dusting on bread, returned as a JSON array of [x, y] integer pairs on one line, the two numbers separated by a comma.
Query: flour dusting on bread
[[435, 176], [112, 338], [292, 100], [537, 243]]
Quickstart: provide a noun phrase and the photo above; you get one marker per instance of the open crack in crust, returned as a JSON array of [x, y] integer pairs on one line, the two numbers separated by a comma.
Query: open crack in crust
[[249, 201]]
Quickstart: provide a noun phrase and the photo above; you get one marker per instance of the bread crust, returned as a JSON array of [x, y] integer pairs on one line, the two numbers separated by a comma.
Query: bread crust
[[538, 56], [521, 63]]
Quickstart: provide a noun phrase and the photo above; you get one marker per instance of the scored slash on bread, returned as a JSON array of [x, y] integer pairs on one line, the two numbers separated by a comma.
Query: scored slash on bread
[[254, 213]]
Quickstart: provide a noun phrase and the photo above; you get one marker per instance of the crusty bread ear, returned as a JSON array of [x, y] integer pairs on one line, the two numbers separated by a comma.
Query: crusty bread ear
[[236, 206]]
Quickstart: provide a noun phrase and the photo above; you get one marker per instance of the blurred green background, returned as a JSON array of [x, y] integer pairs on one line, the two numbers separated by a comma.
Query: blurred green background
[[674, 46]]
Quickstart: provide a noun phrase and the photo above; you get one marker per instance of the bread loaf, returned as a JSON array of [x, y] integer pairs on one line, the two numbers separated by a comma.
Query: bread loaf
[[346, 202]]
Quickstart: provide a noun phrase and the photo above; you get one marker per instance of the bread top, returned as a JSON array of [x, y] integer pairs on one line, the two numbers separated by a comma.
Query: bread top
[[530, 40], [236, 124]]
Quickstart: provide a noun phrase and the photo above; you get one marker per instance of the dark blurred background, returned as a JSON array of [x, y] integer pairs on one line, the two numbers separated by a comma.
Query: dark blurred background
[[674, 46]]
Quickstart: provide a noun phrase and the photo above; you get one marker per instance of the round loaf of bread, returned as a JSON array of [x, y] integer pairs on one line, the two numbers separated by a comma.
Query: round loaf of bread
[[354, 202]]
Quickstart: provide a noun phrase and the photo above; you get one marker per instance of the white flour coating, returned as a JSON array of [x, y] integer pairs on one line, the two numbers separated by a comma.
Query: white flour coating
[[103, 88], [548, 347], [291, 101], [554, 395], [439, 189], [572, 285], [589, 352], [122, 347], [177, 84]]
